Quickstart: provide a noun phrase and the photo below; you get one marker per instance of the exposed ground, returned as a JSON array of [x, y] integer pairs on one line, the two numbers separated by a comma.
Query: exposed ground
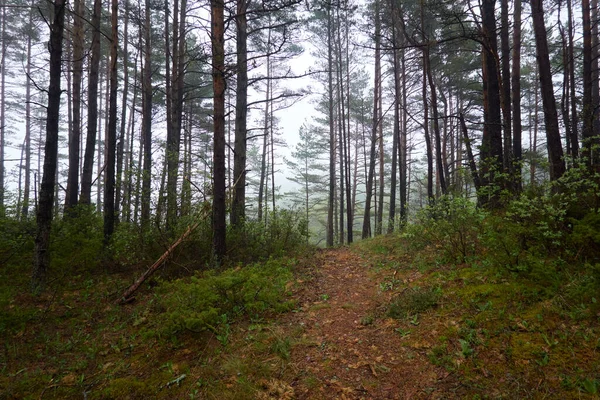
[[458, 332], [349, 348]]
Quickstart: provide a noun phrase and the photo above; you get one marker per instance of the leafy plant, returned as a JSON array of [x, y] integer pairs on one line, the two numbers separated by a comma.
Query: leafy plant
[[211, 300]]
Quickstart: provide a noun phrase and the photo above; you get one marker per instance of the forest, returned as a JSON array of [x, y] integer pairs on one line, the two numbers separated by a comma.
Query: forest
[[299, 199]]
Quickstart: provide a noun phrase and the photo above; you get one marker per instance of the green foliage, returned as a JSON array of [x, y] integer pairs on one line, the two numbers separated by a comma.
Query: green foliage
[[452, 224], [211, 300], [76, 240], [284, 235], [414, 301]]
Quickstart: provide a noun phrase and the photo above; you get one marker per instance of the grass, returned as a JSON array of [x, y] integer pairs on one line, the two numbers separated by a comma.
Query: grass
[[74, 340], [501, 334]]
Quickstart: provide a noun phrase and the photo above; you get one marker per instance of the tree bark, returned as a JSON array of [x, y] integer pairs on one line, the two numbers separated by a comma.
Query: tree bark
[[555, 151], [111, 132], [491, 146], [146, 134], [238, 206], [44, 212], [505, 93], [219, 174], [331, 197], [366, 229], [516, 98], [92, 114]]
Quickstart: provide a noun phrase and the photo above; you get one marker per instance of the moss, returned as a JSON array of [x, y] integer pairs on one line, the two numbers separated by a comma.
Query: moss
[[128, 388]]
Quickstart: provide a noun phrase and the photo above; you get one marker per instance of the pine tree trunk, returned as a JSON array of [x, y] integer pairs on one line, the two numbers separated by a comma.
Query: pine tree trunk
[[238, 206], [505, 93], [121, 145], [555, 151], [111, 133], [331, 197], [574, 114], [366, 229], [146, 134], [219, 174], [75, 137], [517, 146], [92, 107], [44, 212]]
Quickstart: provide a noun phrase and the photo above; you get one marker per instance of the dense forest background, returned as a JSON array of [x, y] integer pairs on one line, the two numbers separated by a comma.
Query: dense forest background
[[143, 119]]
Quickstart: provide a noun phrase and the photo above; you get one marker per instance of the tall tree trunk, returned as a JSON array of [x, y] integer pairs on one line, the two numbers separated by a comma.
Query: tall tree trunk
[[491, 146], [516, 97], [3, 56], [263, 165], [366, 229], [436, 125], [590, 141], [555, 151], [146, 134], [238, 206], [396, 133], [595, 83], [574, 114], [219, 174], [428, 146], [331, 197], [505, 93], [26, 188], [403, 145], [92, 107], [44, 212], [75, 137], [121, 145], [111, 133]]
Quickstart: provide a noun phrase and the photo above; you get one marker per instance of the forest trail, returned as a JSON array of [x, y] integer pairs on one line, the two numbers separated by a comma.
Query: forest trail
[[349, 348]]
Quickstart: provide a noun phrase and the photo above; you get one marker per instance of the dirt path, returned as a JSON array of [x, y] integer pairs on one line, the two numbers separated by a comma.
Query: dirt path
[[349, 348]]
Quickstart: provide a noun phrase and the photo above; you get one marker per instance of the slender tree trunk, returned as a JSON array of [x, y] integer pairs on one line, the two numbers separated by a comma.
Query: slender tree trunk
[[491, 146], [3, 56], [428, 147], [111, 133], [146, 134], [436, 126], [44, 212], [403, 145], [263, 166], [555, 152], [505, 93], [25, 205], [331, 198], [238, 206], [470, 158], [121, 145], [75, 137], [366, 229], [595, 83], [517, 145], [219, 174], [396, 133], [92, 107], [574, 114]]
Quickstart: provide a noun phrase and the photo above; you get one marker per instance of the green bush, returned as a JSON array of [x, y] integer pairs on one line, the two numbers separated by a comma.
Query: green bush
[[414, 301], [76, 239], [452, 224], [284, 235], [210, 299]]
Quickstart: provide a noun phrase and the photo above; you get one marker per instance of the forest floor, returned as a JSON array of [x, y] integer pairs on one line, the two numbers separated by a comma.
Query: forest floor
[[370, 321], [349, 348]]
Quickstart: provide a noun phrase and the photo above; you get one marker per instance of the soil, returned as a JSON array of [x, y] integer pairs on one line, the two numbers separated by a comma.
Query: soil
[[349, 348]]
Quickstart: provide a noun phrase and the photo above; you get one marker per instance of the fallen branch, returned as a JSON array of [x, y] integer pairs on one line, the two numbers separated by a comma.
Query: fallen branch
[[126, 298]]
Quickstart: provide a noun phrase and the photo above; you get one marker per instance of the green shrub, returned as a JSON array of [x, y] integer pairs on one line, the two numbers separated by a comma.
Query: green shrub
[[452, 224], [414, 301], [76, 239], [284, 235], [210, 299]]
